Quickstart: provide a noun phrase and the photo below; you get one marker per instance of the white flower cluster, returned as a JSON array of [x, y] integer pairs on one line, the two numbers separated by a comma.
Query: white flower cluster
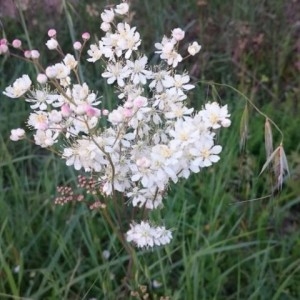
[[145, 235], [153, 138]]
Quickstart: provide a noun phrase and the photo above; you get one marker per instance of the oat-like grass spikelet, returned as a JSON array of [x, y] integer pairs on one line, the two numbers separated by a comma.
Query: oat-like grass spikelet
[[268, 138]]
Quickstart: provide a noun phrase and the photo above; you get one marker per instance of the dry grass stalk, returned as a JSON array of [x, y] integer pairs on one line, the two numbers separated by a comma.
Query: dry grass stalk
[[268, 138], [279, 166], [244, 128]]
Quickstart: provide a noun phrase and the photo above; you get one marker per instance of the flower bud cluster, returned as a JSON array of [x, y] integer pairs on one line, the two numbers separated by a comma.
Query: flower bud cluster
[[153, 137], [66, 195]]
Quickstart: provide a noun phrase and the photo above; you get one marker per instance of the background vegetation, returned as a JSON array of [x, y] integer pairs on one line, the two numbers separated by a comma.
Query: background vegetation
[[223, 247]]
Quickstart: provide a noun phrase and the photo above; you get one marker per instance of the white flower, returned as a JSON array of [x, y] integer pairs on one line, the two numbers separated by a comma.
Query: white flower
[[166, 46], [107, 16], [179, 82], [156, 284], [17, 134], [145, 235], [122, 8], [165, 100], [183, 134], [141, 234], [38, 120], [142, 172], [41, 99], [167, 51], [149, 198], [162, 236], [140, 101], [116, 72], [82, 97], [55, 116], [138, 72], [52, 44], [215, 116], [109, 46], [178, 111], [165, 162], [19, 87], [157, 80], [178, 34], [116, 116], [106, 254], [65, 82], [95, 53], [128, 39], [105, 26], [82, 124], [16, 269], [84, 154], [194, 48], [45, 138], [62, 71], [205, 153], [51, 72], [70, 61], [172, 58]]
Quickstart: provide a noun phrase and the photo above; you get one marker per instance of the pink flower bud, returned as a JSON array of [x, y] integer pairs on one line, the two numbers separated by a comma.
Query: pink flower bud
[[77, 45], [51, 33], [16, 43], [27, 54], [128, 104], [127, 113], [65, 110], [42, 78], [92, 111], [3, 42], [3, 48], [86, 36], [35, 54], [105, 112], [140, 101]]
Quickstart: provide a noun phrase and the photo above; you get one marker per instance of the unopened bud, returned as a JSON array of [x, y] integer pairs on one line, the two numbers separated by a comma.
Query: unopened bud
[[16, 43], [77, 45], [27, 54], [86, 36], [3, 48], [35, 54], [42, 78], [51, 33]]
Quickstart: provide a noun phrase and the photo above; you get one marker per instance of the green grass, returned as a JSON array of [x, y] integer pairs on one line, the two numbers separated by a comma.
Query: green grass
[[222, 248]]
